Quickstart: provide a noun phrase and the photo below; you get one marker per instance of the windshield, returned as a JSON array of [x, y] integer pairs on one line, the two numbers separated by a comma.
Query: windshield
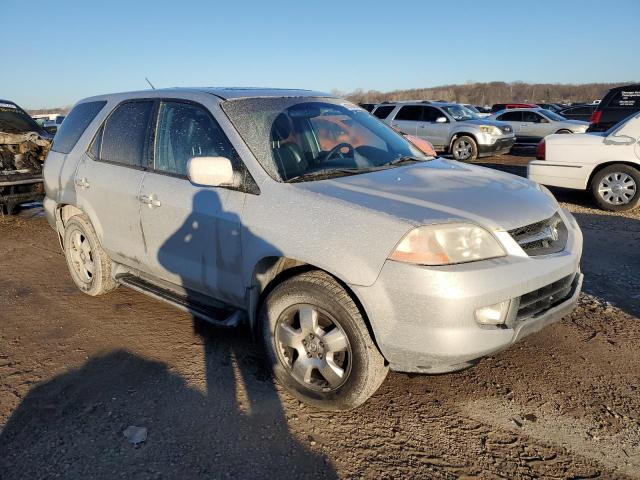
[[460, 112], [15, 120], [472, 108], [295, 137], [553, 116]]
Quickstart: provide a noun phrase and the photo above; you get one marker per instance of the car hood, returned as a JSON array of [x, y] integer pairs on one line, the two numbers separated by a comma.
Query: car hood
[[442, 190]]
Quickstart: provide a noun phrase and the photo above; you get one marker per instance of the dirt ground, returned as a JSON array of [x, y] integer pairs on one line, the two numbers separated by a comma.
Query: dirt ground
[[76, 371]]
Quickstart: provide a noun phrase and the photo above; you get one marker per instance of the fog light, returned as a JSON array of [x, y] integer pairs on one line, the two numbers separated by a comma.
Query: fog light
[[493, 314]]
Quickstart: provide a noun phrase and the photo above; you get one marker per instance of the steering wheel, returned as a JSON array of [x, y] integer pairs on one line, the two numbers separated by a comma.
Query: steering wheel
[[335, 151]]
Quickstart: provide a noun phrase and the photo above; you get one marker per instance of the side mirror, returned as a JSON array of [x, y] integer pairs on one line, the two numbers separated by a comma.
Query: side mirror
[[210, 171], [441, 120]]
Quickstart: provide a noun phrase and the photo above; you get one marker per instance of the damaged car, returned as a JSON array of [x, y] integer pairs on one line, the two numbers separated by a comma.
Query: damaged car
[[23, 148], [341, 245]]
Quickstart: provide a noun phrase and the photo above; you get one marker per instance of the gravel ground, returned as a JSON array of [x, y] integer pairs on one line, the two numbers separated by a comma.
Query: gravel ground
[[76, 371]]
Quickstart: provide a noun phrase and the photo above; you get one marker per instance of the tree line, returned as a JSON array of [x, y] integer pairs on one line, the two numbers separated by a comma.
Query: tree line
[[490, 92]]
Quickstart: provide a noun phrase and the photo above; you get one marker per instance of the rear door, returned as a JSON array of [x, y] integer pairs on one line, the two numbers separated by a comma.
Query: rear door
[[407, 118], [513, 118], [192, 232], [108, 180]]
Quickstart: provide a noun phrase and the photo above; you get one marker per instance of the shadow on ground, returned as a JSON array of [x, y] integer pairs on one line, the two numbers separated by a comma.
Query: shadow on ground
[[72, 426]]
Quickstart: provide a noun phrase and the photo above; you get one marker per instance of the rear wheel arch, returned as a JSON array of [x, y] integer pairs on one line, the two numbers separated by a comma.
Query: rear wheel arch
[[602, 166]]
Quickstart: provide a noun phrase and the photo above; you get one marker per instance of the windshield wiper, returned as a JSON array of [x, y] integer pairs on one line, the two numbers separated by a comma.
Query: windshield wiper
[[326, 173], [402, 160]]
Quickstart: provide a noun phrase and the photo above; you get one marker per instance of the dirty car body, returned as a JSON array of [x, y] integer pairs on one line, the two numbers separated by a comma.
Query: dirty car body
[[23, 148], [441, 262]]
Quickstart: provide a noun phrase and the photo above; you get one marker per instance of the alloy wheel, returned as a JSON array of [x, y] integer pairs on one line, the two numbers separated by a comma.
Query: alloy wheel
[[617, 188], [313, 347], [462, 150], [82, 257]]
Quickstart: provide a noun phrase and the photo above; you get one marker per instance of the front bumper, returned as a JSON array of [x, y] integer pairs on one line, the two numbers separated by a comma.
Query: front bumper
[[423, 317], [499, 147]]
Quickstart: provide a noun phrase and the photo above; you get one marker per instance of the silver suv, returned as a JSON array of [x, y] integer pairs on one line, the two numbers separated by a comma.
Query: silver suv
[[533, 124], [342, 246], [450, 127]]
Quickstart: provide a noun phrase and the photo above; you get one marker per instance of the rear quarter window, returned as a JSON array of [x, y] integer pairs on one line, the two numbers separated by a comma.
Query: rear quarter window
[[625, 98], [383, 111], [75, 124]]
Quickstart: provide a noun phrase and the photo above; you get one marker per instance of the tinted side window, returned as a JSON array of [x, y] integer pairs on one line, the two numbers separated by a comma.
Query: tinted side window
[[185, 131], [625, 98], [511, 117], [74, 125], [383, 111], [125, 134], [410, 112], [430, 114], [531, 117]]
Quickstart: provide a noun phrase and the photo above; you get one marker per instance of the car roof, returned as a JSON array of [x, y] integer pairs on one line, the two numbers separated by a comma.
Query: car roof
[[225, 93], [420, 102]]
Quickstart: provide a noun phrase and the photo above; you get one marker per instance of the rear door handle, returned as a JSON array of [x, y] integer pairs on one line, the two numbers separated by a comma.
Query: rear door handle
[[151, 200], [82, 183]]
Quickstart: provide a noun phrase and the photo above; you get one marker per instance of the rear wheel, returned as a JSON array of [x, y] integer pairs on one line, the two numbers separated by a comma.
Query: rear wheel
[[564, 130], [318, 344], [464, 148], [616, 187], [88, 263]]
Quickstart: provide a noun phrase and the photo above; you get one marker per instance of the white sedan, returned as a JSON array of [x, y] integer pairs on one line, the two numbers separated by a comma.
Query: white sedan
[[607, 163]]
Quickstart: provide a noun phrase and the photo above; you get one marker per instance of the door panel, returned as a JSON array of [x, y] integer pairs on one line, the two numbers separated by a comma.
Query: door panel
[[193, 235], [109, 193], [429, 129]]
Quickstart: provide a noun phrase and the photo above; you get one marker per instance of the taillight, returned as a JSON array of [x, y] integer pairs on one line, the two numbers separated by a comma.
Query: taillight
[[595, 116], [541, 150]]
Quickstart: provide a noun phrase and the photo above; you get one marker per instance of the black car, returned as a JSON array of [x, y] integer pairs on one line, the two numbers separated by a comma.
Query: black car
[[368, 106], [578, 112], [618, 104], [23, 147]]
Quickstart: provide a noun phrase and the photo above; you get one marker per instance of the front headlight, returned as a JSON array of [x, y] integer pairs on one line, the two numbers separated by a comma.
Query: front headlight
[[490, 129], [446, 244]]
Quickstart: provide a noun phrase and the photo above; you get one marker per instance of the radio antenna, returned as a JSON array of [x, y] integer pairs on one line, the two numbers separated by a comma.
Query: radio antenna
[[149, 83]]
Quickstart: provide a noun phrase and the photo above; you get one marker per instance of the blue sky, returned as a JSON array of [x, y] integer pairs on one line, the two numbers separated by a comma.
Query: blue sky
[[54, 53]]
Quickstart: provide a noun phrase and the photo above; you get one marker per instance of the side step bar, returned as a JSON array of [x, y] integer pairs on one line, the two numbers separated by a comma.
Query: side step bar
[[217, 316]]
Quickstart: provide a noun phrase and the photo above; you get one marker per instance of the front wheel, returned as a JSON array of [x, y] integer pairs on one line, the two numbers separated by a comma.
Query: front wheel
[[464, 149], [318, 344], [615, 187]]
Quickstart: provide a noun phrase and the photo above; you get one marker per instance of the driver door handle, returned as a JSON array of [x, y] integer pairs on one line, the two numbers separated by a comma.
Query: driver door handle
[[151, 200], [82, 183]]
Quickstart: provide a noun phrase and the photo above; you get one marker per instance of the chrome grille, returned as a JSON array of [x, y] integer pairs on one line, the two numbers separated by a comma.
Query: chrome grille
[[539, 301], [542, 238]]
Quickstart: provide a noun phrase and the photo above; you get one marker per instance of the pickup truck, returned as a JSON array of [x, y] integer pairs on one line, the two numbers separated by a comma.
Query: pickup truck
[[23, 148]]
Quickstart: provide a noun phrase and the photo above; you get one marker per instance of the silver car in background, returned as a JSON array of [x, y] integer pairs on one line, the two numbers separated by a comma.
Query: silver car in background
[[342, 246], [533, 124], [449, 127]]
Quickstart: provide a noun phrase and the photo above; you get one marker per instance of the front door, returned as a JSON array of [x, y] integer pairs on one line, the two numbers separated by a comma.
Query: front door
[[431, 130], [192, 233], [407, 118], [108, 180]]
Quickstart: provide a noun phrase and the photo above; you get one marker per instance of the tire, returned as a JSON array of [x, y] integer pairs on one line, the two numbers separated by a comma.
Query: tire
[[88, 263], [615, 188], [337, 317], [464, 149], [564, 130]]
